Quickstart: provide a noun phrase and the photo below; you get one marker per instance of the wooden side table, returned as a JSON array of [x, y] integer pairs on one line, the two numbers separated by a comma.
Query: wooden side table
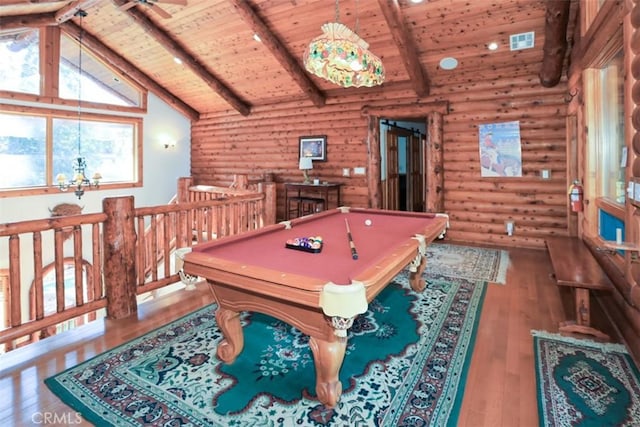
[[301, 192]]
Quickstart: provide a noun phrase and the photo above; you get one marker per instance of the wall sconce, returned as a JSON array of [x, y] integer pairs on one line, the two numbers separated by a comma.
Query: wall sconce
[[167, 141]]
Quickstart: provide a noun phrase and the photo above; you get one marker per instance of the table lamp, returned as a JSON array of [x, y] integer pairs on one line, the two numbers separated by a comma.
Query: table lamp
[[306, 164]]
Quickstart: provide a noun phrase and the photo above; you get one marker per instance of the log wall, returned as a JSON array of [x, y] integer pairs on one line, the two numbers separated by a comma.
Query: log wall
[[266, 141]]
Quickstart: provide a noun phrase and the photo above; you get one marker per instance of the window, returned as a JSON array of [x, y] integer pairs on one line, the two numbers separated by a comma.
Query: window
[[50, 298], [20, 65], [37, 145], [22, 151], [108, 147], [98, 82], [80, 73], [605, 118], [49, 288], [606, 150]]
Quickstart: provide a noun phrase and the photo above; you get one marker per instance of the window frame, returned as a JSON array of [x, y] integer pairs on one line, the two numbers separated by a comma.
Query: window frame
[[49, 77], [601, 49], [49, 113], [49, 105]]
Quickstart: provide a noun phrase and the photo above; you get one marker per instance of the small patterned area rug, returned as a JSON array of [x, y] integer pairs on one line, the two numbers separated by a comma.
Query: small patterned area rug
[[406, 364], [467, 262], [585, 383]]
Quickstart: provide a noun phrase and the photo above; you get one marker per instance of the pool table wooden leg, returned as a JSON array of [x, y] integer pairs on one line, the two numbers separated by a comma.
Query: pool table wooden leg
[[416, 268], [231, 346], [328, 357]]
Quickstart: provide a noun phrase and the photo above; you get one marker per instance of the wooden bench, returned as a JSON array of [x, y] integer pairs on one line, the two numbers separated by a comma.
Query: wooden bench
[[575, 266]]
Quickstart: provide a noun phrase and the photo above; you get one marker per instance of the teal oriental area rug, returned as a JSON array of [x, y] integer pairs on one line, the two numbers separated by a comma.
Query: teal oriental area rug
[[585, 383], [406, 364], [468, 262]]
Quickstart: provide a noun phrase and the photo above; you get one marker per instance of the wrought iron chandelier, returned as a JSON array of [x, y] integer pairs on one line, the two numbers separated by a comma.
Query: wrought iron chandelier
[[79, 182], [340, 56]]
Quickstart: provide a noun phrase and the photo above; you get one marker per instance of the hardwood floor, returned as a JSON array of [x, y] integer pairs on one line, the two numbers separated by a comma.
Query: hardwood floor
[[500, 388]]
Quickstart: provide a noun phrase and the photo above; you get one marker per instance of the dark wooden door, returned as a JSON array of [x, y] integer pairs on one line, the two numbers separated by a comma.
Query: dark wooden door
[[392, 183], [415, 174]]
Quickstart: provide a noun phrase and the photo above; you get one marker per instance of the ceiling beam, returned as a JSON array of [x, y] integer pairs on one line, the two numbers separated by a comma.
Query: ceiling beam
[[128, 70], [33, 21], [555, 42], [179, 51], [412, 110], [284, 57], [67, 12], [406, 46]]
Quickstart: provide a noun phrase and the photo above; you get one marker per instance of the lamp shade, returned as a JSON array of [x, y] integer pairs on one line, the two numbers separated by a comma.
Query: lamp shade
[[343, 58], [305, 163]]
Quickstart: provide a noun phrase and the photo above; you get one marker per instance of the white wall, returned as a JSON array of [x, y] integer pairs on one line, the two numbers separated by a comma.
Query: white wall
[[162, 168]]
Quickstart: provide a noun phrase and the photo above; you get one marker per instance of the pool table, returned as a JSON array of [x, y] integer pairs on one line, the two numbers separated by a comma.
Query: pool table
[[318, 293]]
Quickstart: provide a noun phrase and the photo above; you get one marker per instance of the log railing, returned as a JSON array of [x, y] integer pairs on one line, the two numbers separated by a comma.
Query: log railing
[[186, 224], [119, 253], [47, 240], [206, 224]]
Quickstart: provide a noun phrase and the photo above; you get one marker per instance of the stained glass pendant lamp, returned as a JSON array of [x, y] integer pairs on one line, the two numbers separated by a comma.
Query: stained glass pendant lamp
[[340, 56]]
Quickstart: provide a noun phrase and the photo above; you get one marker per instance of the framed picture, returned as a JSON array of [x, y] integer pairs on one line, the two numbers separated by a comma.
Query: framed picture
[[314, 147]]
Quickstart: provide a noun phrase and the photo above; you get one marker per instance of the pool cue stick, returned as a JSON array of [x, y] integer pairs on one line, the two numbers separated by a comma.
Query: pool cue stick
[[354, 253]]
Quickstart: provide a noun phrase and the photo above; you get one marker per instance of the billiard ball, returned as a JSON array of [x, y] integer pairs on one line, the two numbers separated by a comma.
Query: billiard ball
[[367, 222]]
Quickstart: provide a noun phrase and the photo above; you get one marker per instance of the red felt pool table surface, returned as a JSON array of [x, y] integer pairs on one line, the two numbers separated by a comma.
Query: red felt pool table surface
[[334, 263]]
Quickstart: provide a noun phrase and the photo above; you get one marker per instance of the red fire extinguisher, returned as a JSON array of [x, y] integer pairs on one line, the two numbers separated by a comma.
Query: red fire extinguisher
[[576, 194]]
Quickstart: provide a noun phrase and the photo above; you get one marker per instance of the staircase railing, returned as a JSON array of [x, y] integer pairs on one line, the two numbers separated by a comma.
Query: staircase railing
[[116, 254]]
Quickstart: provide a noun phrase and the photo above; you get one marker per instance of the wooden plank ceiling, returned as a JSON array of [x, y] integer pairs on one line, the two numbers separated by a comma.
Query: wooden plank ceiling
[[224, 67]]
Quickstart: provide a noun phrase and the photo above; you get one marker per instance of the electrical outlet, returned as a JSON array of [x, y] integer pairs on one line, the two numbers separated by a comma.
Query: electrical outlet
[[345, 171], [509, 227]]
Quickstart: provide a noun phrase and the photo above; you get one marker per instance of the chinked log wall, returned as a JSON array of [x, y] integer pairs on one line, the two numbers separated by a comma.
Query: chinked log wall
[[226, 143]]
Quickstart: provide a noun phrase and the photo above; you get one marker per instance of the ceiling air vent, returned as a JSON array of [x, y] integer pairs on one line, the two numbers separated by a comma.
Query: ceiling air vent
[[522, 40]]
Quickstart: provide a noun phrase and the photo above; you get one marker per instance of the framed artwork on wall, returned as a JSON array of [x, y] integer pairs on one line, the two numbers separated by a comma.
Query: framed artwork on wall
[[314, 147]]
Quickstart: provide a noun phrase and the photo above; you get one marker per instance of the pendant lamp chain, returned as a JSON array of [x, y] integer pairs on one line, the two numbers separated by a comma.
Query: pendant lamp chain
[[357, 18], [79, 182], [81, 13]]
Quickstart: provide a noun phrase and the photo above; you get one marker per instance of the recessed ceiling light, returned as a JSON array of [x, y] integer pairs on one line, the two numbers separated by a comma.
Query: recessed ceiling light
[[416, 1], [177, 60], [492, 46], [448, 63], [256, 37]]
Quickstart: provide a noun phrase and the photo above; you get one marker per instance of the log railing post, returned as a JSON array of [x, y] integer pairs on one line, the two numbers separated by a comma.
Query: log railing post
[[269, 190], [240, 182], [183, 189], [119, 256]]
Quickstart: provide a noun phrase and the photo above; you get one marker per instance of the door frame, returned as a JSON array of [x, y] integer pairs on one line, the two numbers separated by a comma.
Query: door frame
[[433, 112]]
